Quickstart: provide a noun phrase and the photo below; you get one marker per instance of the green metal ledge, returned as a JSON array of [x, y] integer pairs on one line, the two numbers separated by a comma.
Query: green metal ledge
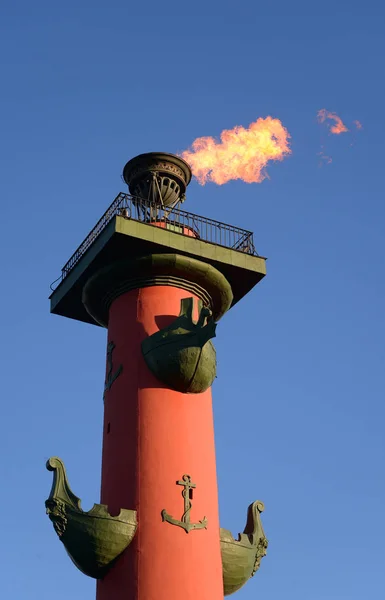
[[126, 238]]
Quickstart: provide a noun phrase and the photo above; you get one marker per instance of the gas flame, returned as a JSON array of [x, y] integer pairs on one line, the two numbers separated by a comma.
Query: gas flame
[[240, 154], [338, 126]]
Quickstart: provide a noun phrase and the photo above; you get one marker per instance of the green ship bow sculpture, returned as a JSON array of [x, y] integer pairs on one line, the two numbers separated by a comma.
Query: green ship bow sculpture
[[182, 355], [241, 558], [94, 540]]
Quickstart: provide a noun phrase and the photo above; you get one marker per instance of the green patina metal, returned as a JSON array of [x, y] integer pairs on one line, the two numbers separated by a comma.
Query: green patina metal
[[174, 270], [185, 522], [125, 239], [94, 540], [182, 355], [241, 558], [110, 375], [158, 176]]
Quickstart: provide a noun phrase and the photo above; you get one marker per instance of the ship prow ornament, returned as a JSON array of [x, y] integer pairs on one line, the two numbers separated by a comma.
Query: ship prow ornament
[[182, 355], [241, 558], [93, 540]]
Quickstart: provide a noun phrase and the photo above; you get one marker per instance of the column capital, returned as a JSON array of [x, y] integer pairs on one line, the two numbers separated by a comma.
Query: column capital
[[175, 270]]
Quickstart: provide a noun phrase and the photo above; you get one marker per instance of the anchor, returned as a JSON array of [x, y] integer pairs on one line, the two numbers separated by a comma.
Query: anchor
[[187, 497], [111, 377]]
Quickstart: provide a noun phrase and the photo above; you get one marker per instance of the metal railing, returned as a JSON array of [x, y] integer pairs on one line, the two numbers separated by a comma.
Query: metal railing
[[179, 221]]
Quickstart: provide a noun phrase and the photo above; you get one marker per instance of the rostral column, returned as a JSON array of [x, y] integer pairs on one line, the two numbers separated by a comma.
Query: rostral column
[[158, 279]]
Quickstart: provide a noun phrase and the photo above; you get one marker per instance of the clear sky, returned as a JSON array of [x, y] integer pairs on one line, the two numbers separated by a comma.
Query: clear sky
[[299, 399]]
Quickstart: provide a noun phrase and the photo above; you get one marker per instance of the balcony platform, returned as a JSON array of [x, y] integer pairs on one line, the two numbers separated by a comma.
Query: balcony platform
[[117, 237]]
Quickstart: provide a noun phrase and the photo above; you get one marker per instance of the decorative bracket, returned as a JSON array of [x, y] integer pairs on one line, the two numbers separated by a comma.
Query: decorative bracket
[[187, 495]]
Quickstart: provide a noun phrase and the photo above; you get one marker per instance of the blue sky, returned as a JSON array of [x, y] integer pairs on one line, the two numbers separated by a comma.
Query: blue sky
[[299, 399]]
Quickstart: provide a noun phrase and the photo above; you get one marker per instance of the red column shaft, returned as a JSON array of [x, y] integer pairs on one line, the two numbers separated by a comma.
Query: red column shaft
[[152, 437]]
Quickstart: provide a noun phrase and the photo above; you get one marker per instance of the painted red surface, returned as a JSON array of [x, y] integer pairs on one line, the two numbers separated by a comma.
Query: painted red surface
[[152, 437], [176, 227]]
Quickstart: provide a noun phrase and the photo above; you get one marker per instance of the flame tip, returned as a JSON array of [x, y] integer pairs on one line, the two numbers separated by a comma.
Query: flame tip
[[338, 127]]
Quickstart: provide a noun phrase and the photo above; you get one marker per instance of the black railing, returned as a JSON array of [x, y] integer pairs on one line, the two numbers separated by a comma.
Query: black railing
[[177, 220]]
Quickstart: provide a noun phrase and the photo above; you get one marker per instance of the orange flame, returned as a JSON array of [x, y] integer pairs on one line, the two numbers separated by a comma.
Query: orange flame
[[338, 128], [240, 154]]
